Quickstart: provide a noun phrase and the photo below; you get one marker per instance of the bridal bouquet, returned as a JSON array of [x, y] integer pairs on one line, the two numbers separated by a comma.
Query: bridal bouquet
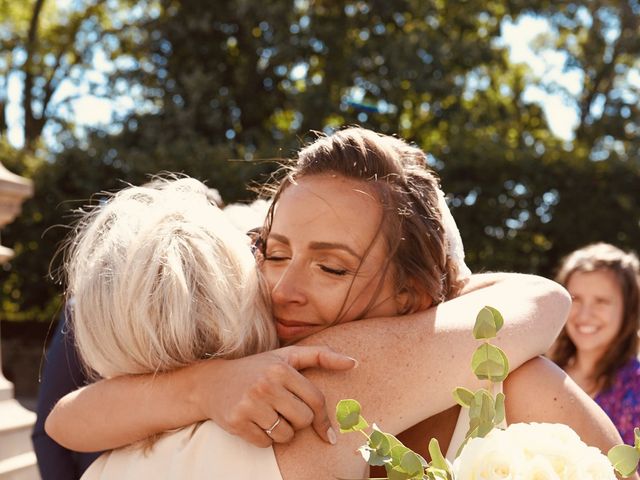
[[535, 451], [531, 451]]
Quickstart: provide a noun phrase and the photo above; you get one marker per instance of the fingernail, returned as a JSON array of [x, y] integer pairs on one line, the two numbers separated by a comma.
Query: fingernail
[[331, 435], [355, 362]]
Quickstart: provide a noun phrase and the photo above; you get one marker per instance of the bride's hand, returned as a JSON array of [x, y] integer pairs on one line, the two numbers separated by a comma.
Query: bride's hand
[[247, 396]]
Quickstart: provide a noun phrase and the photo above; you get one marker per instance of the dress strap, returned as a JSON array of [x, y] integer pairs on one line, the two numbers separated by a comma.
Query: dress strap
[[462, 426]]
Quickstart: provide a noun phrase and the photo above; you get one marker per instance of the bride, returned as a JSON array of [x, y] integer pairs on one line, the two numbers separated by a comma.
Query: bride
[[356, 231]]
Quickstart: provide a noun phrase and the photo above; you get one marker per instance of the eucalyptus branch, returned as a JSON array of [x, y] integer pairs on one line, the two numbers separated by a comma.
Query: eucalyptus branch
[[485, 413], [489, 362]]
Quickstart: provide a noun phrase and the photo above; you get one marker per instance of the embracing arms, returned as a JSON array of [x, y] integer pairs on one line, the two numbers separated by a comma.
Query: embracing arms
[[430, 351], [119, 411]]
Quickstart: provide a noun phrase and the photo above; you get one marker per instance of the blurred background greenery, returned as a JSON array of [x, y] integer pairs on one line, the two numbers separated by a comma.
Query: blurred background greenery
[[214, 89]]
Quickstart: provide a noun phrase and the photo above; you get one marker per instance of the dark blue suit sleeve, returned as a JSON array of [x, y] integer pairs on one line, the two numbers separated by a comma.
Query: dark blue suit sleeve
[[61, 374]]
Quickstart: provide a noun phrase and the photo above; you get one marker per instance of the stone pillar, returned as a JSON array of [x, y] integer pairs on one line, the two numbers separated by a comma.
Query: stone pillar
[[17, 460]]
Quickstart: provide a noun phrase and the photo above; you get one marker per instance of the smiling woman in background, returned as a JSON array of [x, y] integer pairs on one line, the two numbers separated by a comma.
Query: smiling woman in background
[[598, 347]]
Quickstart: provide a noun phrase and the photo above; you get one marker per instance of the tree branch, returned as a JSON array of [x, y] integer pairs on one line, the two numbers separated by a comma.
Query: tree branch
[[601, 83], [30, 123]]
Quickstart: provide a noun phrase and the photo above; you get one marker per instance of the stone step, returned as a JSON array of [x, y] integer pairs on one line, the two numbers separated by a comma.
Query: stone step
[[20, 467], [16, 423], [6, 389]]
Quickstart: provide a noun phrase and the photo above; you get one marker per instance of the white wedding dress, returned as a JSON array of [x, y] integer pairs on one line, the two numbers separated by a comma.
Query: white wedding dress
[[201, 451]]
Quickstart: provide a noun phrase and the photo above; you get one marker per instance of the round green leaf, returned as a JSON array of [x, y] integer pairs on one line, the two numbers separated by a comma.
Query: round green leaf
[[371, 456], [485, 326], [348, 416], [482, 406], [396, 473], [392, 441], [497, 317], [411, 463], [463, 396], [624, 459], [437, 458], [378, 440], [397, 452], [481, 414], [490, 363], [434, 473], [381, 443]]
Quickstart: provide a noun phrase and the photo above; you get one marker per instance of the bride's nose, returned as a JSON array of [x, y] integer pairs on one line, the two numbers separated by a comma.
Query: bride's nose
[[290, 287]]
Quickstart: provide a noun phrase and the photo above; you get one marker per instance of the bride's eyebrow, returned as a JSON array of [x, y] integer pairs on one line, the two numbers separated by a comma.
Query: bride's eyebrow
[[334, 246], [318, 245], [279, 238]]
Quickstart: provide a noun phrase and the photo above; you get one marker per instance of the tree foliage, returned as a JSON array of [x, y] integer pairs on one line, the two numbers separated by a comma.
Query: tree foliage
[[52, 50], [217, 89]]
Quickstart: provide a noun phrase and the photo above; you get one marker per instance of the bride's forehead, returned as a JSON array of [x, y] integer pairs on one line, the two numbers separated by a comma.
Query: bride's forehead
[[333, 196], [329, 188], [328, 209]]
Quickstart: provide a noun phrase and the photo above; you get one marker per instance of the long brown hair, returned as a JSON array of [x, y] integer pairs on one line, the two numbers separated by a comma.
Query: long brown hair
[[626, 270], [408, 192]]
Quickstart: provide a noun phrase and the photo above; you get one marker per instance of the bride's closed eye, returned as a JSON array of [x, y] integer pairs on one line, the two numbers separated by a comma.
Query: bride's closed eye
[[334, 271], [276, 257]]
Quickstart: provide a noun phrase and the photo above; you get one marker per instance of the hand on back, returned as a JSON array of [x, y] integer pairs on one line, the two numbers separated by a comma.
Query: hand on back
[[248, 395]]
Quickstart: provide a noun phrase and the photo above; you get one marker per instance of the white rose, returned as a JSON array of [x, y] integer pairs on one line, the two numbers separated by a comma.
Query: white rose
[[596, 465], [489, 458], [537, 451], [557, 444], [539, 468]]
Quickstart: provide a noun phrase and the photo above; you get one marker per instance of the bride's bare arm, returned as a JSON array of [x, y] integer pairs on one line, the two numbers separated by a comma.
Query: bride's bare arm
[[243, 392], [409, 366]]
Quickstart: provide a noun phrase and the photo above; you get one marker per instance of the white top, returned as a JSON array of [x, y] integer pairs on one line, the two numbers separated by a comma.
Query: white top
[[200, 451]]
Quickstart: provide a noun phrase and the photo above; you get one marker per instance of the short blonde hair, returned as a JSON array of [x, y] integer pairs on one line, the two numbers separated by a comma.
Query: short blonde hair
[[160, 279]]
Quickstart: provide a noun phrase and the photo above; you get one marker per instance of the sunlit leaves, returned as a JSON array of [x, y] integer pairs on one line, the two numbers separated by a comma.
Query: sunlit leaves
[[383, 449], [348, 416], [463, 396], [625, 458], [485, 413], [439, 468], [488, 322], [490, 363]]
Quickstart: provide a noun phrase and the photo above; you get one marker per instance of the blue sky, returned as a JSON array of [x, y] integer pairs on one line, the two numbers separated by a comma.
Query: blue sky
[[547, 67]]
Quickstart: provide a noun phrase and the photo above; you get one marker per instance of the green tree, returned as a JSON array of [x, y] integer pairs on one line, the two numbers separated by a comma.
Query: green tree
[[52, 50], [527, 209], [220, 88]]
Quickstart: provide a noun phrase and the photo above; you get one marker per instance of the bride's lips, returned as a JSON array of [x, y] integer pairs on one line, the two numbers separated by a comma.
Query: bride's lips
[[290, 329]]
